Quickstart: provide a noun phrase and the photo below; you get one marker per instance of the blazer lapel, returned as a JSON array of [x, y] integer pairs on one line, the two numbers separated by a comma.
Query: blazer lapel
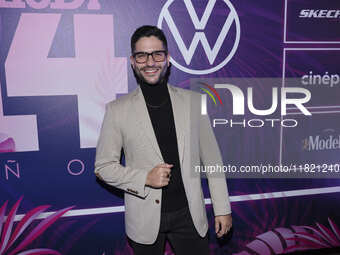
[[144, 121], [181, 117]]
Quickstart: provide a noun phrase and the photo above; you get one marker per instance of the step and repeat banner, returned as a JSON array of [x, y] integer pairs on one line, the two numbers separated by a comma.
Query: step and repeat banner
[[269, 76]]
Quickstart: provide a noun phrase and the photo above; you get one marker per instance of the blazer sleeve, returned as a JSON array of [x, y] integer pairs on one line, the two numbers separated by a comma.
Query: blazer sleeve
[[210, 156], [108, 153]]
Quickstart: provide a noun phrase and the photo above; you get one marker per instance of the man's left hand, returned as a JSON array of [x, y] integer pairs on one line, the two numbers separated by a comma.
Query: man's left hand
[[223, 224]]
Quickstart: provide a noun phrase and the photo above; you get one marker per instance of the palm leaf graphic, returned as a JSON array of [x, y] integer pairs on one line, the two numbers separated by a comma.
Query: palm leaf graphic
[[295, 238], [320, 237], [8, 226], [335, 228], [24, 223], [2, 215], [39, 252], [9, 238]]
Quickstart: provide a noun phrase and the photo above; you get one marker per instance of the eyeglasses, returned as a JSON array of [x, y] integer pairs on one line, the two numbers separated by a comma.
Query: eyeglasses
[[157, 56]]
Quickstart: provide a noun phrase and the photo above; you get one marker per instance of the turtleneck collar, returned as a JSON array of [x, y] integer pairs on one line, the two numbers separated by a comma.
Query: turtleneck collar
[[155, 94]]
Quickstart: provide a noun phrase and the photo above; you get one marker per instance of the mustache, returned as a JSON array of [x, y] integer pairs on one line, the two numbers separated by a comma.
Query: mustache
[[149, 67]]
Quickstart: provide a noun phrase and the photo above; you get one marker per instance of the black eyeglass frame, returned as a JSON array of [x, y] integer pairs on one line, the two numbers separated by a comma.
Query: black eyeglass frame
[[150, 54]]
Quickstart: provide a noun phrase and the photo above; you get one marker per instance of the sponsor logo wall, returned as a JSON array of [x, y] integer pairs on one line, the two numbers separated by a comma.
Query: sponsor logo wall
[[311, 21], [62, 61]]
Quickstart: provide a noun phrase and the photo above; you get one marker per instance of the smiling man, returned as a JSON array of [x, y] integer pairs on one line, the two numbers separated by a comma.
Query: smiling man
[[162, 142]]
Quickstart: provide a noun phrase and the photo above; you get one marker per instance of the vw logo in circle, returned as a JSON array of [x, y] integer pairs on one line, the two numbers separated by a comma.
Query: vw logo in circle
[[200, 36]]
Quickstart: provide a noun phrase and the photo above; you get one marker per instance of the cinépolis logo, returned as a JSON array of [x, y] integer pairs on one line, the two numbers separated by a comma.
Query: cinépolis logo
[[244, 103], [326, 80]]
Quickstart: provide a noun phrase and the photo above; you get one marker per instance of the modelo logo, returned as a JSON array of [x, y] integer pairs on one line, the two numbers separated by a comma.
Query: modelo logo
[[200, 36], [328, 14], [327, 141]]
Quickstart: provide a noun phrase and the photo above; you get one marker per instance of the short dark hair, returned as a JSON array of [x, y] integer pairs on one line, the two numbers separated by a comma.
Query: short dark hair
[[147, 31]]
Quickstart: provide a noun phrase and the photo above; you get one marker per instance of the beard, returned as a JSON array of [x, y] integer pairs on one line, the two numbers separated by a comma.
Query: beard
[[163, 76]]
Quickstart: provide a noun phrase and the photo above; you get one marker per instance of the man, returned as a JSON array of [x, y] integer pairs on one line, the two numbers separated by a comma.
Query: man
[[163, 139]]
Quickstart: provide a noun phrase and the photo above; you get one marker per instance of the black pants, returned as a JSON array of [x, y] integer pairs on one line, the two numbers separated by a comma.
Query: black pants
[[179, 229]]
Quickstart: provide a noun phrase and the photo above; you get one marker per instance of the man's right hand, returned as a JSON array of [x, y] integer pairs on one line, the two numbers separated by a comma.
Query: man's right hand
[[159, 176]]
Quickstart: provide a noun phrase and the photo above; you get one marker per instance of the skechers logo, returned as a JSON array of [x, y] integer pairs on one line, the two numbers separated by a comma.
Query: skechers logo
[[326, 14]]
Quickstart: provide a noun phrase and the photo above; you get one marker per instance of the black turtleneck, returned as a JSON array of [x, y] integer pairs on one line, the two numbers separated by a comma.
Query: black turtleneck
[[159, 106]]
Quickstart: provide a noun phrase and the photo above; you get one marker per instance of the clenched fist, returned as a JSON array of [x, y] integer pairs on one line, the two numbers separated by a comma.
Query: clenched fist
[[159, 176]]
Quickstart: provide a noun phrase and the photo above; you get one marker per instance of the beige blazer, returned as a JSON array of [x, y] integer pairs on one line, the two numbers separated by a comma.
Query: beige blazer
[[127, 125]]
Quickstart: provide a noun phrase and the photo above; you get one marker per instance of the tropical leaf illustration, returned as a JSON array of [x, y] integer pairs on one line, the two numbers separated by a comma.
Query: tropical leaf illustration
[[295, 238], [7, 144], [9, 244], [317, 238]]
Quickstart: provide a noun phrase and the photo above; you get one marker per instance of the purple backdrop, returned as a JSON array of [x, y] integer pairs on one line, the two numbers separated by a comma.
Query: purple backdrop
[[62, 61]]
